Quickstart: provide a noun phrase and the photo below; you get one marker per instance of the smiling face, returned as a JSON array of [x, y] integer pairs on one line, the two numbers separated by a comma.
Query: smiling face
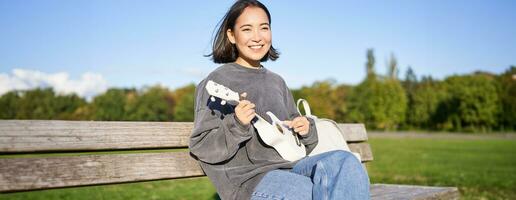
[[251, 36]]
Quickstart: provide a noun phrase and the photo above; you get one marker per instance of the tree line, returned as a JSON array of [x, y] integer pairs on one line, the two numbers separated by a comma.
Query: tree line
[[476, 102]]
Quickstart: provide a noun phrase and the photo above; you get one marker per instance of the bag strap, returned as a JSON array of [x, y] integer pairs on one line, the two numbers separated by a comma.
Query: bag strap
[[308, 112]]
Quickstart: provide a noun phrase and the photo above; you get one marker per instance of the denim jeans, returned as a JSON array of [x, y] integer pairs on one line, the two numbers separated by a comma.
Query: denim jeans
[[330, 175]]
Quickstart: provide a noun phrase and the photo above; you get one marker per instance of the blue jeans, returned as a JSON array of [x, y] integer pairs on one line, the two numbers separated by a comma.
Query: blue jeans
[[330, 175]]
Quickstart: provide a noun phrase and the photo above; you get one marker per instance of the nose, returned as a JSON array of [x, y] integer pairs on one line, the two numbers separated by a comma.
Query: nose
[[256, 37]]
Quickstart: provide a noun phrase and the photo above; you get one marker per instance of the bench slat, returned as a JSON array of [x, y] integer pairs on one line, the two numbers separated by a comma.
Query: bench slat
[[58, 135], [353, 132], [364, 149], [409, 192], [18, 174]]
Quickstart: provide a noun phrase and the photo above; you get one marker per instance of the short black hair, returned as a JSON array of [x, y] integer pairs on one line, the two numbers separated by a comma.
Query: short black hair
[[223, 51]]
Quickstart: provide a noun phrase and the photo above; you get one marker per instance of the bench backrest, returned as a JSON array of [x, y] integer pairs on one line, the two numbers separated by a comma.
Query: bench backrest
[[42, 154]]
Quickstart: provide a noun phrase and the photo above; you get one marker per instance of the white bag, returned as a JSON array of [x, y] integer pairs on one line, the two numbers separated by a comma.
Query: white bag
[[329, 134]]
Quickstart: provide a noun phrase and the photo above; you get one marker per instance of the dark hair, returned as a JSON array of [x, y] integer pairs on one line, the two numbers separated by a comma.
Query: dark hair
[[223, 50]]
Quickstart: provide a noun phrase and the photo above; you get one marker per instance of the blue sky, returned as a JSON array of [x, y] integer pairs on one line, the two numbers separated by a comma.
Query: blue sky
[[95, 44]]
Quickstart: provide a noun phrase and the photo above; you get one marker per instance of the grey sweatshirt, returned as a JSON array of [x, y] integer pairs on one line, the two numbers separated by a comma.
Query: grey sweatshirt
[[232, 155]]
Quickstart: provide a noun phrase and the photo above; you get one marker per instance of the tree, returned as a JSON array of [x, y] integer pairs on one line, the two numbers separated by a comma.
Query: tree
[[507, 94], [43, 103], [36, 104], [410, 80], [472, 103], [424, 100], [380, 104], [184, 109], [370, 63], [321, 97], [409, 85], [111, 105], [392, 71], [154, 104], [9, 105], [341, 93]]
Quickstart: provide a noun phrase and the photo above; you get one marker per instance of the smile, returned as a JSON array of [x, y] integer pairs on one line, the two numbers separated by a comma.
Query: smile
[[256, 46]]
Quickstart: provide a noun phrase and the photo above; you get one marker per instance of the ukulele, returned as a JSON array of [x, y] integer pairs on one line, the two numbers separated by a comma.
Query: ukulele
[[276, 135]]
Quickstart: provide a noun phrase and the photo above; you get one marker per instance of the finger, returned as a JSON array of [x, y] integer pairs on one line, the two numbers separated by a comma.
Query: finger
[[298, 123], [249, 106], [299, 130], [248, 118], [249, 112], [243, 103], [297, 120], [251, 116]]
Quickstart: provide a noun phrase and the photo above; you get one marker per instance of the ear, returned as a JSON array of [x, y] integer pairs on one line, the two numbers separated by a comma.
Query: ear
[[231, 36]]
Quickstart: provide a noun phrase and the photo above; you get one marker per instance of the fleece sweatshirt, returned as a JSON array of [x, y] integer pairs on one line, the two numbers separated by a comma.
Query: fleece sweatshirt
[[231, 154]]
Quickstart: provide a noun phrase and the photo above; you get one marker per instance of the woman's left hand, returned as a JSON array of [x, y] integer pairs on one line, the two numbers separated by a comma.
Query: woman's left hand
[[301, 125]]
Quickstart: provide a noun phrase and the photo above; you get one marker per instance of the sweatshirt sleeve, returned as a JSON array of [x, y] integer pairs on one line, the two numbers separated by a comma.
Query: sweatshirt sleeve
[[310, 139], [216, 135]]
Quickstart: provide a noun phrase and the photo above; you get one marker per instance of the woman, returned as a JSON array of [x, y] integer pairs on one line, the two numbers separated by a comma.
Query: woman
[[228, 147]]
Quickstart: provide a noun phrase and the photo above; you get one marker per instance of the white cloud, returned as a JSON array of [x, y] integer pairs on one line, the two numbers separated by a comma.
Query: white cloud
[[89, 84]]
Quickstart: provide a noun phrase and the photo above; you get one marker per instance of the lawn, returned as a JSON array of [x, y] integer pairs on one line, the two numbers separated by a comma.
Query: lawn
[[481, 168]]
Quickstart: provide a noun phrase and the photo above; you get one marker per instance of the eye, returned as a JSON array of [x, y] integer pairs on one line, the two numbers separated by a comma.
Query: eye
[[246, 29], [265, 28]]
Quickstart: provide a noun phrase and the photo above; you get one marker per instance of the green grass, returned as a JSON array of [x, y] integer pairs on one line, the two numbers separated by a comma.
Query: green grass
[[482, 169], [192, 188]]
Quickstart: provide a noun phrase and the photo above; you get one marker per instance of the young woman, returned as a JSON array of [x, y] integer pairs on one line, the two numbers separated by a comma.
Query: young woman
[[229, 148]]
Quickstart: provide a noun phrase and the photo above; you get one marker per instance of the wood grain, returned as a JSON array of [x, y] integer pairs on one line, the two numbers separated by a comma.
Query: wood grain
[[17, 174], [412, 192], [58, 135]]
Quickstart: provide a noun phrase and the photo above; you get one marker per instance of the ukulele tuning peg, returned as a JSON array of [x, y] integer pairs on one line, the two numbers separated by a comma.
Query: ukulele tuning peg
[[223, 102], [212, 99]]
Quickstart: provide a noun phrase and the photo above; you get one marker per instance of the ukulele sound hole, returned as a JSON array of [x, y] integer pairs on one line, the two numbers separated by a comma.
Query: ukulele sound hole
[[279, 128]]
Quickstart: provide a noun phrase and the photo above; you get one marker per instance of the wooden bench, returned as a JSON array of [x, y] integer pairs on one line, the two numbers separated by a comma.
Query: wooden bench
[[104, 157]]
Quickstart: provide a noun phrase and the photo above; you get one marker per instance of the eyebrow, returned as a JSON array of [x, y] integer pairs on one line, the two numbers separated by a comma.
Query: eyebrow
[[250, 25]]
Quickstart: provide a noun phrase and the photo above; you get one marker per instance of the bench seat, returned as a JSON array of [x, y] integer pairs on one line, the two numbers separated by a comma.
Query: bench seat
[[46, 154]]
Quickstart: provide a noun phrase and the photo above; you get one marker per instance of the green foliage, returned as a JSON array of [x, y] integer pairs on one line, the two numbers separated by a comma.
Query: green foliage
[[111, 105], [475, 102], [36, 104], [9, 104], [185, 103], [321, 98], [66, 105], [370, 63], [507, 94], [472, 103], [44, 104], [380, 104], [341, 94], [392, 70], [155, 104], [424, 101]]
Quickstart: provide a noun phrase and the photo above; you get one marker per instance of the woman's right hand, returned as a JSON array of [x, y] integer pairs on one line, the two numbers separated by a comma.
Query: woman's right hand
[[244, 111]]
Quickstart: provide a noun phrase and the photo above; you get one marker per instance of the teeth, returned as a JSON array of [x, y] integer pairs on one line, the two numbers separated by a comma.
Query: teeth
[[256, 47]]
